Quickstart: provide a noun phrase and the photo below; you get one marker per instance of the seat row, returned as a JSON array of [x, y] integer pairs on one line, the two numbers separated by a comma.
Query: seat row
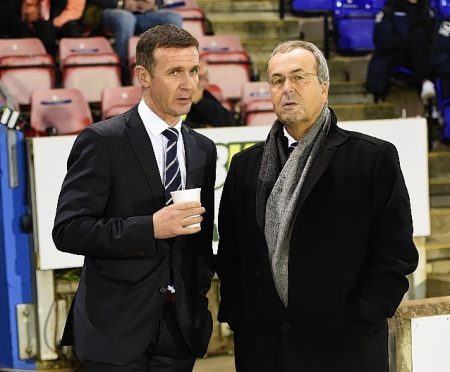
[[66, 111], [353, 20], [90, 65]]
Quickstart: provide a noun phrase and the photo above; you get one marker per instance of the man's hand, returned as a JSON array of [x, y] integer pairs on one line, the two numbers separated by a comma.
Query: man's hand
[[131, 5], [145, 5], [172, 220]]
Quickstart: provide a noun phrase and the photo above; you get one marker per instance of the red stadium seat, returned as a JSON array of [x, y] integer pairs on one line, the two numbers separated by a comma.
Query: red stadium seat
[[194, 19], [229, 66], [64, 111], [116, 101], [24, 67], [257, 108], [90, 65], [132, 42]]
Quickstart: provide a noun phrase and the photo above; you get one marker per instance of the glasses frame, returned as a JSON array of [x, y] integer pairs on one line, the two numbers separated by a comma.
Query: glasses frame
[[291, 77]]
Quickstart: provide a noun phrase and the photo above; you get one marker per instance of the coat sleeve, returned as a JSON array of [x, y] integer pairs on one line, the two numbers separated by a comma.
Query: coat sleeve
[[227, 255], [80, 224], [393, 254]]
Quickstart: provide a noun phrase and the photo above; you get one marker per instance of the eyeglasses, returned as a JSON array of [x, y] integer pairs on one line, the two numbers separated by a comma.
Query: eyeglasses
[[299, 79]]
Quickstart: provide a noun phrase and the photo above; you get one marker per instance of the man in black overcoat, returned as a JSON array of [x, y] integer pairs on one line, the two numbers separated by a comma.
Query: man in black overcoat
[[315, 234]]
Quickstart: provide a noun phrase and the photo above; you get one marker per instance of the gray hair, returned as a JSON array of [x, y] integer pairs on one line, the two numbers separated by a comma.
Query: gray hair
[[321, 62]]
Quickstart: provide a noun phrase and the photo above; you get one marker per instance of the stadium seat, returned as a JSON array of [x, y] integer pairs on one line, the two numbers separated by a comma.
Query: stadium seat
[[311, 6], [257, 108], [229, 66], [90, 65], [132, 42], [194, 19], [25, 66], [116, 101], [354, 21], [443, 105], [217, 93], [442, 8], [59, 111]]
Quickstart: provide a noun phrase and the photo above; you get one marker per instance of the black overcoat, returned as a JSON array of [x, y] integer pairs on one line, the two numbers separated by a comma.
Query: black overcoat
[[350, 251]]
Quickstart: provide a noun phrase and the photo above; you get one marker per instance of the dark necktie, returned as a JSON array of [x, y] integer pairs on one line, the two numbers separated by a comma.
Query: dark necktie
[[172, 171], [292, 148]]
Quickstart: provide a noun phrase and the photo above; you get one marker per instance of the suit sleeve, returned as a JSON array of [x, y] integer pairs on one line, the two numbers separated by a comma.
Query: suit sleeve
[[227, 256], [80, 223], [205, 256], [393, 254]]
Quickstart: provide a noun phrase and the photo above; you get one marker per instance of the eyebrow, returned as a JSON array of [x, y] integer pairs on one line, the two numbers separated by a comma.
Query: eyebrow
[[290, 72]]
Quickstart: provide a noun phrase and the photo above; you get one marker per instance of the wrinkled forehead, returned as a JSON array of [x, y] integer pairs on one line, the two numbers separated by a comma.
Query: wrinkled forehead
[[294, 60]]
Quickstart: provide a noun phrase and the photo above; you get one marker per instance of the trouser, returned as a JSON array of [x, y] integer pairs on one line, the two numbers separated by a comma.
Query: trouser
[[168, 352], [415, 54]]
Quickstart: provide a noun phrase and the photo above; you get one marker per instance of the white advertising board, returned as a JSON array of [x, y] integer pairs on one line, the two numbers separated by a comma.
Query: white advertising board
[[49, 156], [430, 347]]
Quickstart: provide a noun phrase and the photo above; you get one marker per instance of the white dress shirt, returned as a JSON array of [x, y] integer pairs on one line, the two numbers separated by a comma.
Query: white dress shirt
[[154, 126]]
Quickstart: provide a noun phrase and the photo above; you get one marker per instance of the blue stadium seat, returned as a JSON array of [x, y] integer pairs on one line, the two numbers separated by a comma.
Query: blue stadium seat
[[443, 104], [442, 8], [311, 6], [354, 21]]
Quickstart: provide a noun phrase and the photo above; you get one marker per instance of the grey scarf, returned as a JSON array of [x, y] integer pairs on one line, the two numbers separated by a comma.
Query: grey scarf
[[278, 189]]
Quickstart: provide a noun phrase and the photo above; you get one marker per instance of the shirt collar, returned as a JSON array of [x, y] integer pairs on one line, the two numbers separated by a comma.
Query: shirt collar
[[290, 139], [153, 122]]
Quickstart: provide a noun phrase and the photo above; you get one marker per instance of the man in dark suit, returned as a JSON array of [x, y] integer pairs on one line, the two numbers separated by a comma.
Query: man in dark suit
[[141, 303], [315, 234]]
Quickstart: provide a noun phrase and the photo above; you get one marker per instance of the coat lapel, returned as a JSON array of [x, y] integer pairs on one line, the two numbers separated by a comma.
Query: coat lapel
[[143, 149], [335, 138]]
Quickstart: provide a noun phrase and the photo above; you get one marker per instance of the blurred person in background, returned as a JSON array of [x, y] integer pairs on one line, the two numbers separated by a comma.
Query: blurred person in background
[[60, 19], [402, 37], [440, 55], [11, 23], [126, 18], [206, 110]]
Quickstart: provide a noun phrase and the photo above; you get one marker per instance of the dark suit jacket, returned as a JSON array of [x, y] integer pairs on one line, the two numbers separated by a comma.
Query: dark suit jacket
[[350, 250], [111, 190]]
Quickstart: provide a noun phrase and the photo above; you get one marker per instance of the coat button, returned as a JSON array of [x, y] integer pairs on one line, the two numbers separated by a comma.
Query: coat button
[[162, 290], [286, 327], [259, 273]]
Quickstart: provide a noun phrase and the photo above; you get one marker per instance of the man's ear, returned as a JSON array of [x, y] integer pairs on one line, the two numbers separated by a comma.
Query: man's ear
[[143, 76], [325, 87]]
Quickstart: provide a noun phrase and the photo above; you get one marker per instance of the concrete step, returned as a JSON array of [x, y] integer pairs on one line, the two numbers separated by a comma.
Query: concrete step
[[440, 267], [438, 285], [437, 250], [254, 25], [439, 164], [348, 68], [440, 192], [440, 224], [238, 6], [347, 112]]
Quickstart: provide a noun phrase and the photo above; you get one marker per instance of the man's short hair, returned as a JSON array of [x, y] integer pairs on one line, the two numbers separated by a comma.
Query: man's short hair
[[161, 36], [321, 62]]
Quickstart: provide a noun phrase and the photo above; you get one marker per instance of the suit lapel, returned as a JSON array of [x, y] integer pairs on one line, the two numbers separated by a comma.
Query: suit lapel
[[143, 149], [193, 158]]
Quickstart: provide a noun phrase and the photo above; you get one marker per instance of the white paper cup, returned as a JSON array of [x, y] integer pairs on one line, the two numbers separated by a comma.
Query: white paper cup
[[186, 196]]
